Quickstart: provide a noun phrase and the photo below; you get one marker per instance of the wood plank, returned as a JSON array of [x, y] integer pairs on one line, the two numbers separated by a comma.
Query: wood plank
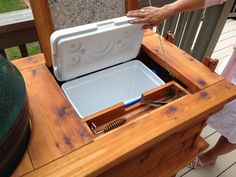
[[18, 36], [222, 163], [44, 25], [148, 32], [211, 140], [24, 167], [17, 28], [166, 169], [152, 158], [146, 162], [230, 172], [132, 138], [225, 43], [131, 5], [207, 131], [222, 53], [56, 127], [221, 65], [225, 36], [28, 62], [106, 115], [228, 25], [182, 66]]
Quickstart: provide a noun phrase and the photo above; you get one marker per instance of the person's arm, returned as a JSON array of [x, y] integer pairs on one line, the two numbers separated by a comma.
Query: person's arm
[[152, 16], [184, 5]]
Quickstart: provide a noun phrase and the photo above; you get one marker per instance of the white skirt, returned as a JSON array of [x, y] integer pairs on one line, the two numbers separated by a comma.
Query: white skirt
[[224, 121]]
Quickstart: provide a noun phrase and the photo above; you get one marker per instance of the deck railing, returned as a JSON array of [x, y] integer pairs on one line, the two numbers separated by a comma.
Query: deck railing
[[195, 32], [233, 11], [17, 29]]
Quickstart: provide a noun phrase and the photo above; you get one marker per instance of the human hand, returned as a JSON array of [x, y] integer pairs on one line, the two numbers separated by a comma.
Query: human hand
[[149, 16]]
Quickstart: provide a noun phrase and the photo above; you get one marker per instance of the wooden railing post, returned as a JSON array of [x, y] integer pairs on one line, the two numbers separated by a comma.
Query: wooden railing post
[[131, 5], [44, 24], [210, 63], [169, 36], [215, 18], [196, 32]]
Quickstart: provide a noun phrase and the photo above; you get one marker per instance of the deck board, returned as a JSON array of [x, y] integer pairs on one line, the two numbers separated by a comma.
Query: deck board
[[228, 42], [207, 131], [56, 130], [224, 45], [229, 172], [222, 164]]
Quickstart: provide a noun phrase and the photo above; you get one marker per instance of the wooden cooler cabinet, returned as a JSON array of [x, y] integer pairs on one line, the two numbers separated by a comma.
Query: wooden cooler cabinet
[[153, 140]]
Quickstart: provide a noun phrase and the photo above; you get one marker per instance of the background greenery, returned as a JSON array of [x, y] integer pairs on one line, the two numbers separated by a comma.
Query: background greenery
[[14, 52], [11, 5]]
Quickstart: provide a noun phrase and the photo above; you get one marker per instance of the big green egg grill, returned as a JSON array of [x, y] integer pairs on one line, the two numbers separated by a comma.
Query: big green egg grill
[[14, 117]]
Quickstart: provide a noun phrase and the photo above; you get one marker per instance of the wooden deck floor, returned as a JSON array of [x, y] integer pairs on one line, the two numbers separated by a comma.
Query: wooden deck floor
[[224, 47], [225, 166]]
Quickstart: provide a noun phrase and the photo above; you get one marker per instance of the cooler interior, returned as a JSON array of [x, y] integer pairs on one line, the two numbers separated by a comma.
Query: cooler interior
[[121, 83]]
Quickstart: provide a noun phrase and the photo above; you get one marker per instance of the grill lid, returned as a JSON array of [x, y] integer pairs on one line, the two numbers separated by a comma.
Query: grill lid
[[12, 97]]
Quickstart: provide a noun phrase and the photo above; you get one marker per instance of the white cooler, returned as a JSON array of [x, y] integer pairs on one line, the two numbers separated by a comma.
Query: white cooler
[[96, 61]]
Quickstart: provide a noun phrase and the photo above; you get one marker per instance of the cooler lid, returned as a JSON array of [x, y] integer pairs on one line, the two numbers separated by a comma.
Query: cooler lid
[[84, 49]]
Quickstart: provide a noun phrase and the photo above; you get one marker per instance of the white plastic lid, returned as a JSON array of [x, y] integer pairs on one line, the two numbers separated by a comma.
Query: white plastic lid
[[84, 49]]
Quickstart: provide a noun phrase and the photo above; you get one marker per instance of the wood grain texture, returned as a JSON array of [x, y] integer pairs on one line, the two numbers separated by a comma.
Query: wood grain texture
[[141, 164], [182, 66], [165, 90], [56, 127], [169, 36], [148, 32], [131, 5], [106, 115], [148, 161], [166, 170], [28, 62], [44, 26], [24, 167], [119, 145]]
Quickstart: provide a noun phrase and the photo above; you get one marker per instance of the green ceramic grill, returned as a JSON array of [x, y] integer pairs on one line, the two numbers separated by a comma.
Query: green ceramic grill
[[14, 117]]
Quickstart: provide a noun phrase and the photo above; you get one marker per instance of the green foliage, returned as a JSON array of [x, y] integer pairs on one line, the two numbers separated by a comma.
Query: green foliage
[[33, 48], [14, 52], [11, 5]]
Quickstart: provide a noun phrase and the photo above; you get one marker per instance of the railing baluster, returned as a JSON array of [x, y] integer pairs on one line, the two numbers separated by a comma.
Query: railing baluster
[[215, 18], [17, 28], [174, 22], [168, 24], [23, 51], [160, 28], [191, 30], [3, 53], [180, 28], [232, 13]]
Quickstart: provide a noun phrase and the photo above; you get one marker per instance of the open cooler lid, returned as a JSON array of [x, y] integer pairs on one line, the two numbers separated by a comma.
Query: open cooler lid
[[84, 49]]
